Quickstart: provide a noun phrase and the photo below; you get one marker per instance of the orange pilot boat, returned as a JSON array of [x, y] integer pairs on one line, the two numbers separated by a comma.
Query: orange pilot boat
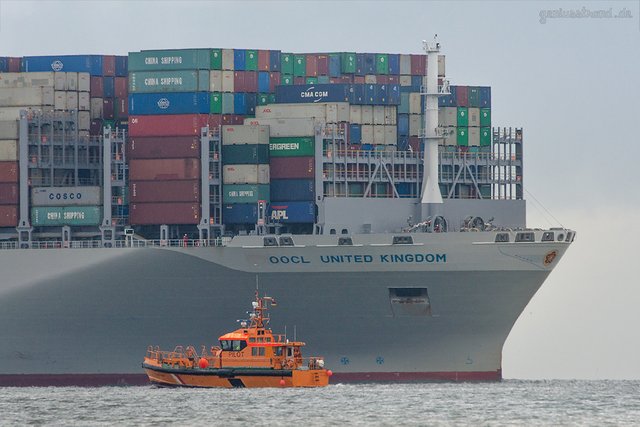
[[251, 356]]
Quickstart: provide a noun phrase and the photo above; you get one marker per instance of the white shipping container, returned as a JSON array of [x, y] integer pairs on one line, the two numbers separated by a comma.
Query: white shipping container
[[60, 82], [96, 108], [367, 134], [227, 59], [245, 174], [405, 80], [84, 120], [72, 100], [72, 81], [66, 196], [355, 114], [84, 101], [13, 113], [390, 135], [25, 96], [367, 114], [415, 102], [378, 114], [338, 112], [441, 66], [215, 81], [9, 129], [286, 127], [415, 124], [405, 64], [326, 112], [245, 134], [8, 150], [84, 82], [378, 134], [451, 136], [448, 116], [474, 116], [227, 80], [390, 115], [16, 80], [370, 79], [474, 137], [60, 100]]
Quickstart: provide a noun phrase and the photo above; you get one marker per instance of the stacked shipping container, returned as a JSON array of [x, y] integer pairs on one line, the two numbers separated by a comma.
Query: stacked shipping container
[[466, 115]]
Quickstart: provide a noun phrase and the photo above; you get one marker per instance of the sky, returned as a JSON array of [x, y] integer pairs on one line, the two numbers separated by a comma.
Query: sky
[[572, 83]]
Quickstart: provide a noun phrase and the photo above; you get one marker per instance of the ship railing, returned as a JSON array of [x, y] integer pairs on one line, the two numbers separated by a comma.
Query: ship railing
[[95, 244]]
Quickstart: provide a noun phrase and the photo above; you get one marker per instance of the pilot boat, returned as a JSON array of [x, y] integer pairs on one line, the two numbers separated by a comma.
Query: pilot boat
[[252, 356]]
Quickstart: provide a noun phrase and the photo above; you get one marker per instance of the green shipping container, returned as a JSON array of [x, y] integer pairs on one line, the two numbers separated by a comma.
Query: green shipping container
[[485, 117], [382, 63], [263, 99], [272, 98], [299, 65], [485, 137], [66, 215], [245, 193], [474, 96], [251, 60], [312, 80], [463, 136], [463, 116], [291, 146], [286, 63], [216, 59], [286, 79], [169, 81], [216, 103], [181, 59], [245, 154], [348, 64]]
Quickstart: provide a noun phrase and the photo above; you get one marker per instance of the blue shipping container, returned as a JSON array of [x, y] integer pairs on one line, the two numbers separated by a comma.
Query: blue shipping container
[[393, 95], [357, 94], [274, 60], [485, 97], [403, 143], [359, 64], [370, 94], [313, 93], [122, 69], [292, 189], [109, 88], [403, 124], [403, 108], [355, 134], [416, 83], [91, 64], [238, 59], [4, 64], [239, 103], [263, 81], [252, 101], [169, 103], [448, 100], [292, 212], [394, 63], [370, 63], [240, 213], [334, 65]]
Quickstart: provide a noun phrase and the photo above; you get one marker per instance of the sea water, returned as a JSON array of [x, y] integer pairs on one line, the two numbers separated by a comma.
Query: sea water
[[510, 402]]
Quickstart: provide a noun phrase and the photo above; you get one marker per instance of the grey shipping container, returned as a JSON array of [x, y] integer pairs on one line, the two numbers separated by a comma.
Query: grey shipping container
[[66, 196]]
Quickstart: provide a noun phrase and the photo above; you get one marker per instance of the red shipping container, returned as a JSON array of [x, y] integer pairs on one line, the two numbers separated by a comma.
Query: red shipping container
[[96, 87], [238, 81], [8, 216], [95, 127], [263, 60], [227, 119], [108, 109], [121, 86], [393, 80], [299, 80], [358, 79], [418, 65], [9, 194], [121, 108], [171, 124], [14, 64], [237, 119], [274, 80], [164, 191], [164, 169], [250, 81], [163, 147], [323, 65], [164, 213], [312, 65], [462, 96], [9, 172], [291, 167], [414, 143], [108, 65], [382, 79]]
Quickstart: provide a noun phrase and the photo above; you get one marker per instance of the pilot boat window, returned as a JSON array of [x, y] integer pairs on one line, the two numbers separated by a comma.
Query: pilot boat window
[[257, 351], [232, 345], [278, 351], [252, 339], [290, 352], [267, 339]]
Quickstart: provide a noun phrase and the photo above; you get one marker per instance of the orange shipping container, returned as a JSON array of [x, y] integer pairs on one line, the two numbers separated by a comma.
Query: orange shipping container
[[164, 169], [8, 216], [9, 172], [164, 213]]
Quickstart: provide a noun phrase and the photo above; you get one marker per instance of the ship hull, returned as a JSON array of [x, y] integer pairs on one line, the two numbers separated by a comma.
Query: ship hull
[[90, 324]]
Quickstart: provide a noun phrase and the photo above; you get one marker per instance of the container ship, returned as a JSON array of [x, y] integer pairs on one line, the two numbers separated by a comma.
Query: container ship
[[144, 198]]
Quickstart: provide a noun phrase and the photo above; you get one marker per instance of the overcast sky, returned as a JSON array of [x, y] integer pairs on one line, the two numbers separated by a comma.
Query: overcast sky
[[572, 83]]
